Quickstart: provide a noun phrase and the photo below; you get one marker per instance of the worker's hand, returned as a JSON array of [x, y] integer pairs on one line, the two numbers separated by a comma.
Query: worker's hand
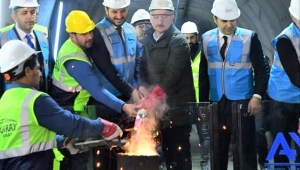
[[130, 109], [110, 130], [254, 106], [69, 145], [143, 91], [136, 96]]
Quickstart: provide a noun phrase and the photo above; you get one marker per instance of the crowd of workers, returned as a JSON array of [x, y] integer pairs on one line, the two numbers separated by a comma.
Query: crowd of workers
[[107, 70]]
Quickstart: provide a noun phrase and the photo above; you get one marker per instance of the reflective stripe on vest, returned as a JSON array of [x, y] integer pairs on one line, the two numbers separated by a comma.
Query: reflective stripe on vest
[[58, 157], [42, 41], [235, 72], [61, 77], [195, 69], [284, 91], [28, 136], [124, 63]]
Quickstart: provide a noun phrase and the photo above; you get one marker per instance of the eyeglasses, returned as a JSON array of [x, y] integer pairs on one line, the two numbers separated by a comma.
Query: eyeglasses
[[161, 16], [144, 25]]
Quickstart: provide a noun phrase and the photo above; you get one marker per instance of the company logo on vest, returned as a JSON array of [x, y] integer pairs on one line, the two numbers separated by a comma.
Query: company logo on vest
[[7, 127]]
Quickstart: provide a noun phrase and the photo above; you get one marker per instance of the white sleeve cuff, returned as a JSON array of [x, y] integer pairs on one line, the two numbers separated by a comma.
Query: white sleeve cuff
[[257, 96]]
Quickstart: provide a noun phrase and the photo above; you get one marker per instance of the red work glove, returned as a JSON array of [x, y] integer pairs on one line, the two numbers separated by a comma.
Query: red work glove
[[110, 130], [156, 96]]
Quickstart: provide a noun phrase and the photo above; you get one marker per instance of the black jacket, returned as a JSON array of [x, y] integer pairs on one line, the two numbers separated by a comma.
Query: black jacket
[[101, 57], [166, 63], [289, 59]]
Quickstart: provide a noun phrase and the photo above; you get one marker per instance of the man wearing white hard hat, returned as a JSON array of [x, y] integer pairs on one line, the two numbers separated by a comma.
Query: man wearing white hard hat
[[29, 118], [166, 64], [284, 82], [117, 43], [115, 54], [24, 14], [141, 22], [229, 57], [190, 30]]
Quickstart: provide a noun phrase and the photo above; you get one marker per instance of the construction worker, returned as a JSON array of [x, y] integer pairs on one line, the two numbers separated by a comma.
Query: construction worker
[[284, 85], [24, 14], [115, 54], [73, 78], [190, 30], [166, 64], [116, 42], [226, 76], [30, 119], [141, 22]]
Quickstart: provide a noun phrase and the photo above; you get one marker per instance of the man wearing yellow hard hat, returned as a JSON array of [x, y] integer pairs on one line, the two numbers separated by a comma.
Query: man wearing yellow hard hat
[[24, 30], [74, 81]]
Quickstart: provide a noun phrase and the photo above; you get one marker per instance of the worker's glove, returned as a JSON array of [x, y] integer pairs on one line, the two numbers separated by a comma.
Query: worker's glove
[[110, 130], [69, 145], [157, 96]]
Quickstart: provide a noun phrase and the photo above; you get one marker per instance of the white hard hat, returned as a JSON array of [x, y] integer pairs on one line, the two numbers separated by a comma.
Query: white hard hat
[[295, 8], [189, 27], [226, 9], [116, 4], [140, 15], [161, 4], [14, 53], [23, 3]]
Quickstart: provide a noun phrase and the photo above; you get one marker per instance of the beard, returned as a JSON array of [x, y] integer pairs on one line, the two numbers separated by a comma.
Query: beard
[[194, 47], [114, 23]]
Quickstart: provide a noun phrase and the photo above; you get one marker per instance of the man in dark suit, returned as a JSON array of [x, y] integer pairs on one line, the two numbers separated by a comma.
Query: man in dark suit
[[226, 76], [24, 13]]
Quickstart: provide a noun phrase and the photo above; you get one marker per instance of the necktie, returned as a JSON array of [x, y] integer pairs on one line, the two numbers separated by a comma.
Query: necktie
[[119, 29], [223, 48], [29, 42]]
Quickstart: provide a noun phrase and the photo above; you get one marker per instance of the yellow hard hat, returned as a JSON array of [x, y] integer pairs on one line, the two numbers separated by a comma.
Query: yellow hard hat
[[79, 22]]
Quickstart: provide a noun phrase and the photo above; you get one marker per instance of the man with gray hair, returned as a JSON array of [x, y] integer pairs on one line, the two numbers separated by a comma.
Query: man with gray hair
[[166, 64]]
